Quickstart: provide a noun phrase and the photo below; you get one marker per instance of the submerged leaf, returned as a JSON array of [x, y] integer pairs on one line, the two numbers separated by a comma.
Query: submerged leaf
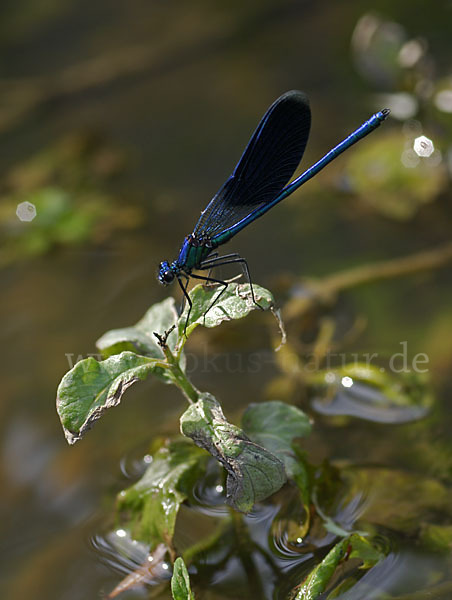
[[394, 499], [90, 387], [218, 542], [235, 302], [437, 538], [180, 581], [254, 473], [368, 392], [354, 546], [151, 505], [140, 338]]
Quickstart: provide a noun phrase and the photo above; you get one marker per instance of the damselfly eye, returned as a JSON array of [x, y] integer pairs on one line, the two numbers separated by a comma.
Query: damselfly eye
[[166, 274], [167, 277]]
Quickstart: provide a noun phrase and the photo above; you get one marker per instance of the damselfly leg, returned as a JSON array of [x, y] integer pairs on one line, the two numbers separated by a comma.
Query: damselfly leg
[[228, 259], [216, 298]]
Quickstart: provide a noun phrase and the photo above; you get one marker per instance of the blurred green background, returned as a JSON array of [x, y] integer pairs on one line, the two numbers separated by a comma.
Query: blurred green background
[[119, 121]]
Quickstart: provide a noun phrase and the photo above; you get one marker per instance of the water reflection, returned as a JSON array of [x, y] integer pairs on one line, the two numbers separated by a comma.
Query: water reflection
[[358, 399], [254, 552]]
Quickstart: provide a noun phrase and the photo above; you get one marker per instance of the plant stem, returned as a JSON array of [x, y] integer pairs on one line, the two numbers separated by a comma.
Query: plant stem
[[179, 377], [245, 555], [325, 290]]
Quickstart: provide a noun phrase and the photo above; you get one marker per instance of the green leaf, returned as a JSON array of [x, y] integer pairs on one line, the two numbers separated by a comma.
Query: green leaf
[[140, 338], [320, 576], [149, 508], [275, 426], [234, 303], [180, 581], [362, 549], [254, 473], [354, 546], [91, 387]]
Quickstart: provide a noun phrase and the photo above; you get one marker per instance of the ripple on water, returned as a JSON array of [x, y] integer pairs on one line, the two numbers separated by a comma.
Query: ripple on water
[[209, 494], [121, 553], [133, 467]]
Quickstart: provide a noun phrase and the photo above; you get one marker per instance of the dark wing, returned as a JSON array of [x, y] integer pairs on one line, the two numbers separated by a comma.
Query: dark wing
[[269, 161]]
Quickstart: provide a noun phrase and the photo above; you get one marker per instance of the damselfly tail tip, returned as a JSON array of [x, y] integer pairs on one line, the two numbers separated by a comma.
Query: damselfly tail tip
[[385, 112]]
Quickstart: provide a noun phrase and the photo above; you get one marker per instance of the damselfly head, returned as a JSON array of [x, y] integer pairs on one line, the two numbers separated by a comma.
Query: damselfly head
[[166, 273]]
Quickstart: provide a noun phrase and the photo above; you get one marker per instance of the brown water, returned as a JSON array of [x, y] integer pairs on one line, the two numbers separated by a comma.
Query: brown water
[[175, 89]]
